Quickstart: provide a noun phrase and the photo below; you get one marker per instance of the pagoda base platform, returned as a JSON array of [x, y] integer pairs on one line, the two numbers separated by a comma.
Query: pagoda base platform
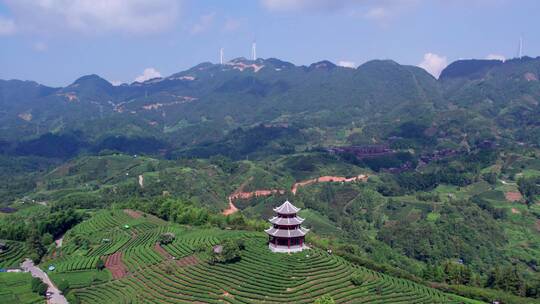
[[287, 249]]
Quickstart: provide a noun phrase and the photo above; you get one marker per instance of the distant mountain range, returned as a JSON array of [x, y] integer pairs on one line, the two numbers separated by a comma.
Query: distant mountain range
[[212, 106]]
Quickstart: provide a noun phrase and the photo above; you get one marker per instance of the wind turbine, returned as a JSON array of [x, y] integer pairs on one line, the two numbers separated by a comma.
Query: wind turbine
[[520, 50], [221, 55], [254, 51]]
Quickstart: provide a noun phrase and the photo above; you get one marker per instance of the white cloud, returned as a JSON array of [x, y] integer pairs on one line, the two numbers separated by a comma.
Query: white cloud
[[40, 46], [377, 10], [496, 57], [346, 64], [433, 64], [95, 16], [231, 25], [148, 73], [117, 82], [7, 26], [377, 13], [298, 5], [204, 23]]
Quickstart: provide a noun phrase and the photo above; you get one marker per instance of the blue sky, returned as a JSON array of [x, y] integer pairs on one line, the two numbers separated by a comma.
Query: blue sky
[[56, 41]]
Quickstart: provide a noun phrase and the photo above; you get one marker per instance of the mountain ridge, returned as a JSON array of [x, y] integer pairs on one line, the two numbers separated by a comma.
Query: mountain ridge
[[208, 101]]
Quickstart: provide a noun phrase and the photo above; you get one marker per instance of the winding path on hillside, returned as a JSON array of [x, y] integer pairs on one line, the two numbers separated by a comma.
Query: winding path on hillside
[[240, 194], [56, 297], [232, 209]]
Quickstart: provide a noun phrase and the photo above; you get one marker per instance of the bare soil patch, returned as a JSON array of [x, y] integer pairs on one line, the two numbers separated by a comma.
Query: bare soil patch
[[133, 213], [187, 261], [515, 211], [116, 266], [162, 252], [513, 196]]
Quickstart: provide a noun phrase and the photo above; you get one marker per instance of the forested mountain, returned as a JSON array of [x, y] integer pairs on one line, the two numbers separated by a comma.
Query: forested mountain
[[323, 102]]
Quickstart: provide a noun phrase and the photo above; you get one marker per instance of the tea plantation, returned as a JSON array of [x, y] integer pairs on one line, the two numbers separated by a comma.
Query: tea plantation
[[144, 271], [12, 254], [16, 288]]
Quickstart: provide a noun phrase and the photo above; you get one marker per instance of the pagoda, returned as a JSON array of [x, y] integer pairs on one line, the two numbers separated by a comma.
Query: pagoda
[[286, 234]]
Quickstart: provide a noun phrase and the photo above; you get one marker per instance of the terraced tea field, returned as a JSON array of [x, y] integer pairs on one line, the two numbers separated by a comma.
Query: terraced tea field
[[16, 288], [13, 254], [180, 273]]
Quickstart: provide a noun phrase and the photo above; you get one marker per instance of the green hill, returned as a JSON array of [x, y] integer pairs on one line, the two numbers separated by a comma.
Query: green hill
[[181, 272]]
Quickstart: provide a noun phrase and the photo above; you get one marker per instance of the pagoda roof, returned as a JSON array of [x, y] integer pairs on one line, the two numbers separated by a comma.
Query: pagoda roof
[[287, 233], [286, 221], [287, 208]]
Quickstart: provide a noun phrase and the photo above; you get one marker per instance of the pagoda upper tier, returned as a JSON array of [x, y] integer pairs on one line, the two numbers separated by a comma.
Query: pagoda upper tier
[[286, 221], [287, 208]]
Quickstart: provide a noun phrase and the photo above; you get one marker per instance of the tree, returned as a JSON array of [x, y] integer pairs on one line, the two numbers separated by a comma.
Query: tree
[[507, 279], [100, 265], [457, 273], [47, 239], [490, 177], [166, 238], [227, 252], [326, 299], [38, 286], [231, 251], [35, 242], [529, 189]]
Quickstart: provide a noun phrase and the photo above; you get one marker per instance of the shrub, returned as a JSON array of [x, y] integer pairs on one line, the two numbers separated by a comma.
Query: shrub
[[72, 298], [63, 286], [357, 279], [200, 247], [326, 299], [241, 244], [169, 269], [428, 197]]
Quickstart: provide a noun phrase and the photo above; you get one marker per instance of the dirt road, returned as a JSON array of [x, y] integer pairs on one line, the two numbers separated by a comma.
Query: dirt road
[[57, 297], [59, 241], [240, 194]]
